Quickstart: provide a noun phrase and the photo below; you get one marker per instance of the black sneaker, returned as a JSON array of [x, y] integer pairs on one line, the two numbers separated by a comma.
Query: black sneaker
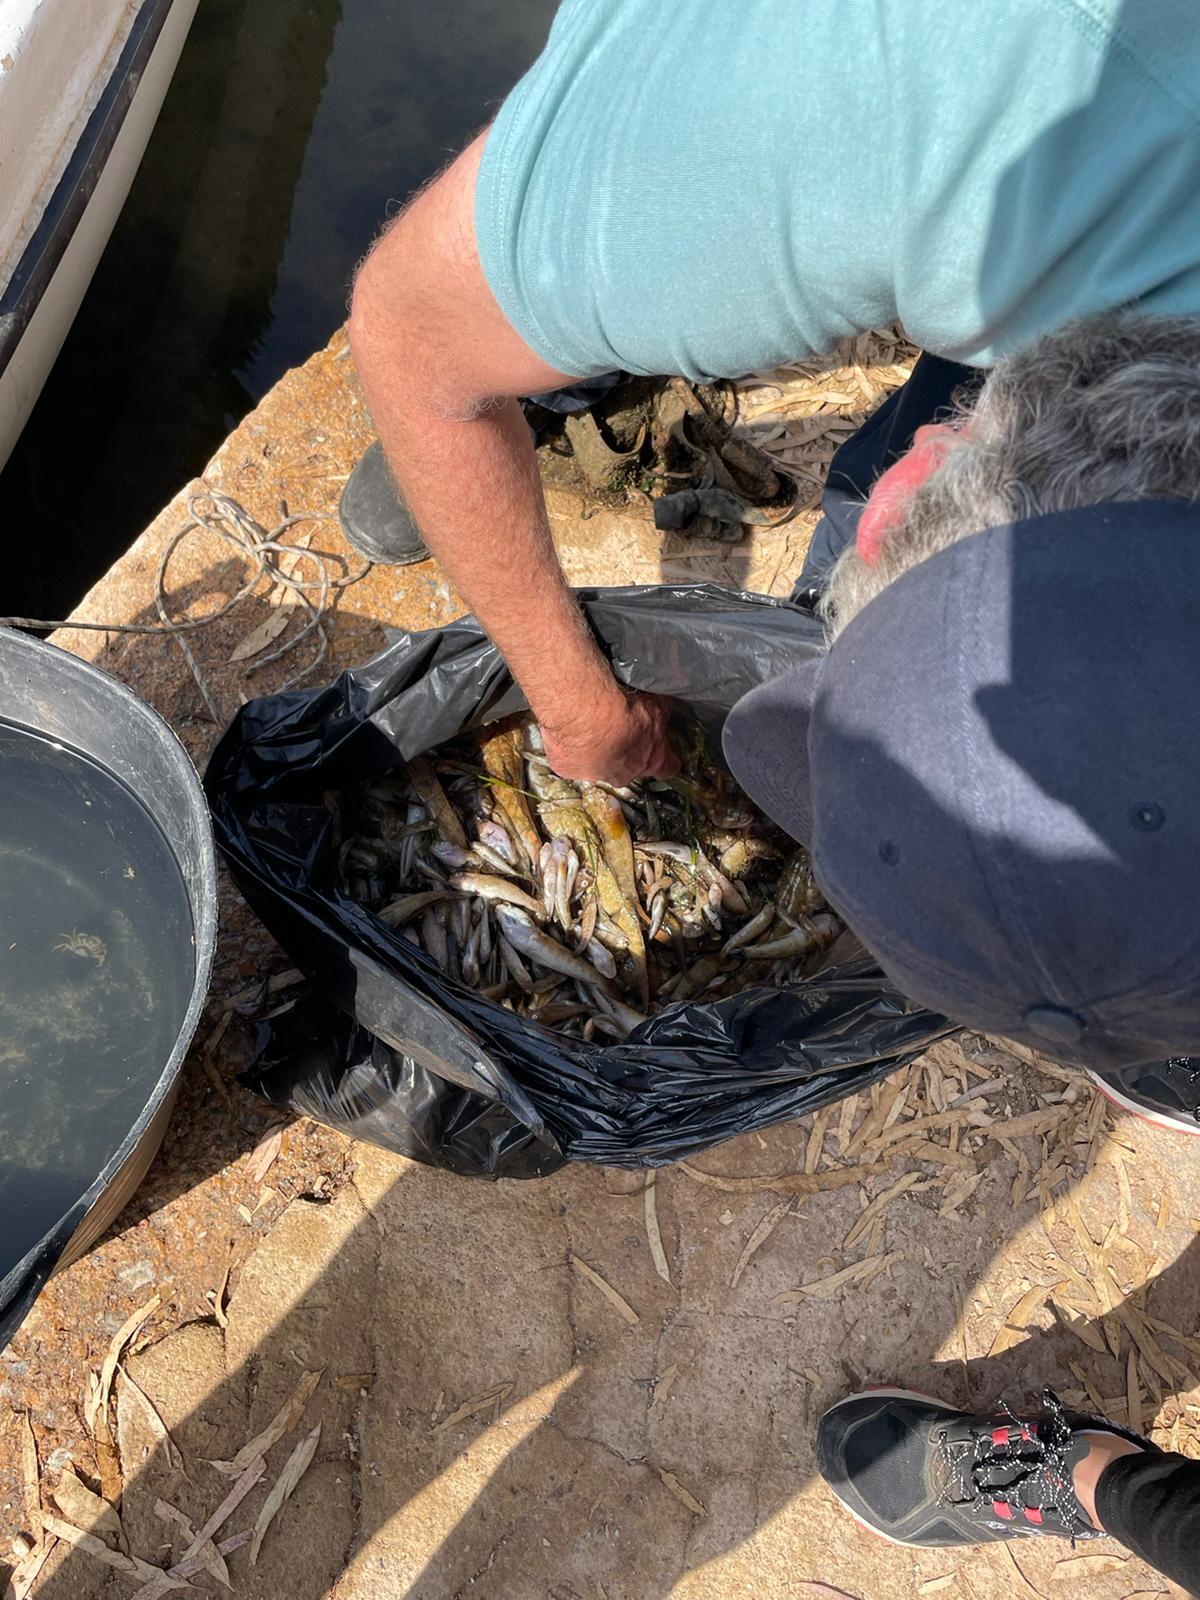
[[1166, 1093], [375, 520], [919, 1472]]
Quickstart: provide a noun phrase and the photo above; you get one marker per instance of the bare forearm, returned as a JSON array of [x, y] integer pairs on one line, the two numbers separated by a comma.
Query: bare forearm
[[474, 489], [439, 364]]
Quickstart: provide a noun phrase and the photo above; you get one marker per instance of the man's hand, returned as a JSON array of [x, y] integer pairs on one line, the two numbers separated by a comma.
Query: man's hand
[[619, 740]]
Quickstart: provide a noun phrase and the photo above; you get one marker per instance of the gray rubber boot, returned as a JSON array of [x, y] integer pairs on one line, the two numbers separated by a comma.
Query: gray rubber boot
[[374, 518]]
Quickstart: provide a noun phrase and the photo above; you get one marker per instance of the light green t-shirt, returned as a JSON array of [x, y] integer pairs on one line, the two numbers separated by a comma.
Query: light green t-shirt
[[711, 187]]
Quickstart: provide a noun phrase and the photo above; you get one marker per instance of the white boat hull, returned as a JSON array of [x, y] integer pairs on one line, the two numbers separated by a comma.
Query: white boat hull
[[68, 214]]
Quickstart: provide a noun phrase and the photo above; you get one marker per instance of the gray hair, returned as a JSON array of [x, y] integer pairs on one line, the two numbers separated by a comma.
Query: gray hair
[[1106, 409]]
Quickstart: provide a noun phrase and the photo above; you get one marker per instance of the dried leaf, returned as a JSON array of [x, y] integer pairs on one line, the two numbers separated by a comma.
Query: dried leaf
[[960, 1322], [284, 1421], [287, 563], [262, 1158], [816, 1138], [663, 1387], [1072, 1567], [657, 1254], [472, 1408], [294, 1468], [108, 1464], [1164, 1211], [425, 781], [618, 1301], [225, 1510], [910, 1180], [1032, 1123], [684, 1496], [1152, 1353], [941, 1155], [87, 1511], [927, 1124], [93, 1546], [266, 633], [158, 1427], [1079, 1326], [1015, 1326], [213, 1560], [98, 1400], [1026, 1588], [1095, 1398], [958, 1191], [1133, 1393], [218, 1300], [1087, 1292], [22, 1580], [827, 1288], [794, 1183], [759, 1237], [1098, 1267], [31, 1477], [846, 1122], [936, 1585]]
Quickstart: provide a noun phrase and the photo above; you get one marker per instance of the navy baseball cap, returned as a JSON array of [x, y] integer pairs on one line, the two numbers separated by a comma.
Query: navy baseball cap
[[996, 767]]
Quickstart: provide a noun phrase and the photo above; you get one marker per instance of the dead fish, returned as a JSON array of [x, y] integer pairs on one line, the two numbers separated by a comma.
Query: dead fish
[[794, 943], [697, 977], [427, 784], [497, 890], [562, 1011], [514, 966], [364, 856], [693, 857], [408, 906], [485, 930], [494, 861], [433, 937], [608, 819], [796, 893], [502, 749], [749, 931], [498, 840], [601, 958], [627, 1018], [470, 958], [450, 855], [556, 890], [745, 853], [530, 941], [587, 922]]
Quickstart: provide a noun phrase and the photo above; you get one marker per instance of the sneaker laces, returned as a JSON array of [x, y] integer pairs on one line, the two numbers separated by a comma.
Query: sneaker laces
[[1024, 1464]]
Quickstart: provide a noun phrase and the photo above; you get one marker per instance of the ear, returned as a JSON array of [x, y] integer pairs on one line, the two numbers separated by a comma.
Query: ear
[[896, 487]]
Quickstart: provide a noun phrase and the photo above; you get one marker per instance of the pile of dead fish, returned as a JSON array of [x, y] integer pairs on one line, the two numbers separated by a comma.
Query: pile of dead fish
[[579, 906]]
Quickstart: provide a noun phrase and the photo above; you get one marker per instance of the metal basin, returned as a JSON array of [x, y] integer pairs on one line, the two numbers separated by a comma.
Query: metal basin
[[50, 693]]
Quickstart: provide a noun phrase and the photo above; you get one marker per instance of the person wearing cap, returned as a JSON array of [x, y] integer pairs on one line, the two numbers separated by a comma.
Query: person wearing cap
[[995, 763]]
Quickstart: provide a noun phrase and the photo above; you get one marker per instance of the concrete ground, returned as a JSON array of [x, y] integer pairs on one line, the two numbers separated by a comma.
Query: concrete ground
[[521, 1397]]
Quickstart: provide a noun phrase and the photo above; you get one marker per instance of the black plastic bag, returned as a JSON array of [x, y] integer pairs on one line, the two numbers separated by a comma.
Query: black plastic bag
[[434, 1070]]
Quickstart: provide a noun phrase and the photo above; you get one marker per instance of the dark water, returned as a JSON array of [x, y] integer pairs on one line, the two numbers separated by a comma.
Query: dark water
[[96, 969], [292, 128]]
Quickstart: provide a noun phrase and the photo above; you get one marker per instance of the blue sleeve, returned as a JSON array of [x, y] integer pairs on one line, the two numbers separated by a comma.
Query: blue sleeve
[[713, 187], [637, 205]]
